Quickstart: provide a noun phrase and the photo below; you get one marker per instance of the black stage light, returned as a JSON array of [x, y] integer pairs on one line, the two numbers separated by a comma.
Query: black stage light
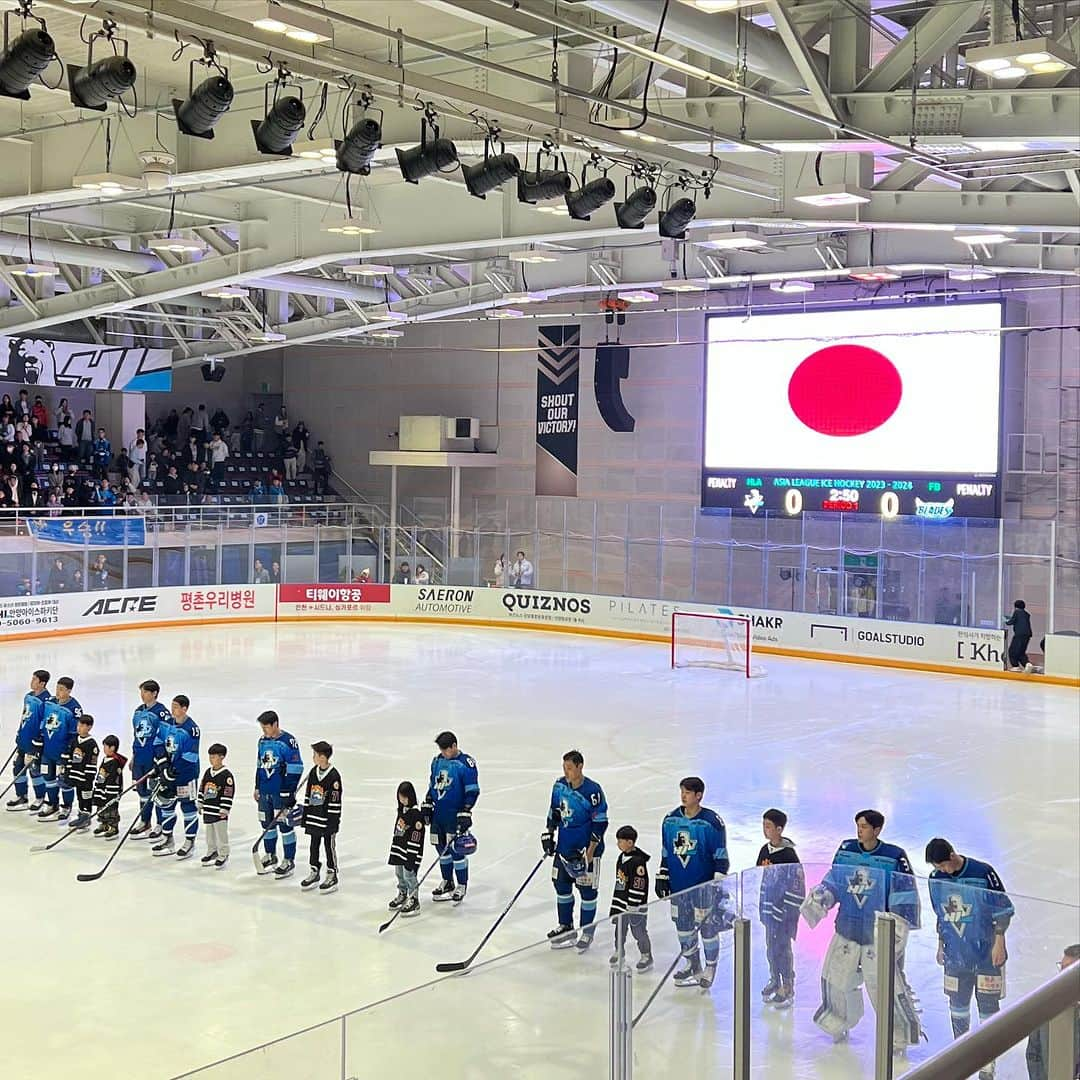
[[427, 158], [213, 371], [355, 151], [589, 197], [544, 184], [23, 61], [205, 106], [638, 206], [277, 131], [94, 86], [674, 220], [490, 173]]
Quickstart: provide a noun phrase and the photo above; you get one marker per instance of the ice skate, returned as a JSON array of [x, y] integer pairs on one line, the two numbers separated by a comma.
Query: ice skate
[[768, 991], [268, 862], [36, 805], [311, 880], [65, 813], [398, 901], [784, 998], [111, 833], [411, 907], [48, 812], [444, 892], [689, 975], [644, 964], [562, 937], [284, 870], [330, 884], [584, 941], [708, 976], [459, 893], [101, 830], [208, 859], [163, 847], [155, 833], [141, 831], [186, 849], [80, 823], [220, 862], [20, 802]]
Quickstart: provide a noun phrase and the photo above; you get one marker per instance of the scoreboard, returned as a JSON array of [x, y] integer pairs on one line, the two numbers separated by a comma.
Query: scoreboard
[[888, 411]]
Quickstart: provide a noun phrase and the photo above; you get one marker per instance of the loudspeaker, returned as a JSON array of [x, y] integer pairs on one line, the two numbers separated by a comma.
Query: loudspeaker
[[612, 366], [213, 372]]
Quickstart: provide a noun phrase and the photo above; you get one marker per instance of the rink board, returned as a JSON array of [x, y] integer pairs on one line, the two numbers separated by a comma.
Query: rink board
[[920, 646]]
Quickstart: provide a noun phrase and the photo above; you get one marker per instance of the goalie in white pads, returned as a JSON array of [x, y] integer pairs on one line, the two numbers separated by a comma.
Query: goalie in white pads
[[867, 876]]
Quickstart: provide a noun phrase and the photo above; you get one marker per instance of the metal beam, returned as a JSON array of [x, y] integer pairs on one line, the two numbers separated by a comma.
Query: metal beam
[[934, 34], [849, 44], [803, 60], [906, 175]]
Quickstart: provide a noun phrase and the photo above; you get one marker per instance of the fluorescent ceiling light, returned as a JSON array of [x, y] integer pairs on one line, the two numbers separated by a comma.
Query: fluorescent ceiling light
[[525, 297], [991, 64], [387, 314], [986, 239], [268, 337], [34, 270], [644, 136], [638, 296], [873, 274], [1014, 59], [832, 195], [792, 285], [176, 244], [294, 25], [1011, 72], [506, 313], [317, 150], [970, 273], [368, 269], [226, 292], [387, 333], [528, 256], [348, 226], [684, 285], [713, 6], [108, 183], [552, 208], [1032, 58], [733, 241], [1050, 67]]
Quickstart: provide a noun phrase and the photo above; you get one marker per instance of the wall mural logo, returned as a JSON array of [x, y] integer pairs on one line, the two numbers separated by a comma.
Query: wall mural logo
[[34, 361]]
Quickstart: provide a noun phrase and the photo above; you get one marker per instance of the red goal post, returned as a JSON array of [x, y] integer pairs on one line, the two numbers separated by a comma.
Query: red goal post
[[708, 639]]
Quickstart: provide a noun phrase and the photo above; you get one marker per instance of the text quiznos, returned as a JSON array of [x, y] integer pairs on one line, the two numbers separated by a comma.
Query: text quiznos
[[556, 410], [522, 601]]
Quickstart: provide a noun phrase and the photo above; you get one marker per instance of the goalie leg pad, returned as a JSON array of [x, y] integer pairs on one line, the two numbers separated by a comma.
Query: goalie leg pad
[[906, 1026], [841, 994]]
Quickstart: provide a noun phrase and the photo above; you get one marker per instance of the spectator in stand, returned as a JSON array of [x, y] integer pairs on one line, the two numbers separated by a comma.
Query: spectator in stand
[[24, 431], [7, 428], [1038, 1046], [63, 412], [247, 433], [144, 506], [200, 424], [58, 576], [281, 428], [172, 483], [260, 575], [403, 576], [219, 422], [102, 454], [6, 404], [195, 478], [363, 577], [289, 457], [152, 467], [521, 573], [183, 428], [218, 452], [137, 452], [8, 454], [260, 426], [498, 571], [99, 572], [34, 500], [55, 504], [77, 582], [66, 438], [14, 487], [124, 466], [105, 497], [193, 451], [422, 577], [170, 426], [22, 406], [258, 494], [275, 573], [321, 465], [26, 462], [24, 588], [84, 437], [300, 437], [276, 493], [39, 414], [5, 501]]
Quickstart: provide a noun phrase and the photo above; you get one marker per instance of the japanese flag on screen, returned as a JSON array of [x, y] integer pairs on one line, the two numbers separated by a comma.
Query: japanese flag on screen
[[899, 390]]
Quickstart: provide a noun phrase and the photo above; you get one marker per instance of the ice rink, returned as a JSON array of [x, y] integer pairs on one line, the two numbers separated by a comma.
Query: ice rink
[[161, 966]]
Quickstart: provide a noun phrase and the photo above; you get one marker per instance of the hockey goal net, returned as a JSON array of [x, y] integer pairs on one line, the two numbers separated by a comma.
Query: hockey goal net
[[713, 641]]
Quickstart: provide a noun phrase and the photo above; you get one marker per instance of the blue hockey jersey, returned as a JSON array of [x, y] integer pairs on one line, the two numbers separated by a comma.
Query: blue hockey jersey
[[28, 737], [694, 848], [865, 882], [579, 814], [454, 786], [178, 755], [971, 907], [144, 725], [192, 729], [280, 767], [58, 728]]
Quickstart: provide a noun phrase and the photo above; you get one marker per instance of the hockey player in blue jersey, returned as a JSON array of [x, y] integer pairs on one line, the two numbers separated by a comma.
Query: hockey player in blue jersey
[[574, 836], [447, 811], [60, 715], [694, 844], [973, 912], [177, 767], [145, 746], [27, 763], [277, 775], [867, 876]]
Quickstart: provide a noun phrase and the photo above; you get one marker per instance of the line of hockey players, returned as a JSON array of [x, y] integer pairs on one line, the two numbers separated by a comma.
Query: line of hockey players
[[56, 754]]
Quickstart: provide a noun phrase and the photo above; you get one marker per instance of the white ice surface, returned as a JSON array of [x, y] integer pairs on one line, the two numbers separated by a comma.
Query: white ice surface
[[161, 967]]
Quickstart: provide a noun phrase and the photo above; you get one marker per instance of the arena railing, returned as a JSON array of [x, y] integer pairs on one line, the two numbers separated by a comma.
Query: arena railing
[[532, 1012]]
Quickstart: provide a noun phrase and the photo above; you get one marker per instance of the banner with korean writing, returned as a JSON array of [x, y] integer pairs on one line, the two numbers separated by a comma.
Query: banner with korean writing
[[90, 531], [558, 362], [35, 361]]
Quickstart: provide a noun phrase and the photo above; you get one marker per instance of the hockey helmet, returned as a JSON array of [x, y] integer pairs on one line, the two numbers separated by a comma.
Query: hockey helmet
[[464, 845], [575, 864]]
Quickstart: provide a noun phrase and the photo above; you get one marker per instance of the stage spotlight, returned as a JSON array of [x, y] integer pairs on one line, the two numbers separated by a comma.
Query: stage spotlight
[[277, 131], [638, 206], [94, 86], [23, 61], [490, 173], [356, 150], [674, 220], [205, 106], [589, 197], [438, 155], [544, 184]]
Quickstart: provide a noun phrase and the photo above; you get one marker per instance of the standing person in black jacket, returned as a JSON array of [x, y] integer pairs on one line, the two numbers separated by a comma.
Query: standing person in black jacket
[[322, 817], [783, 889], [406, 850], [630, 897], [107, 786], [1020, 621]]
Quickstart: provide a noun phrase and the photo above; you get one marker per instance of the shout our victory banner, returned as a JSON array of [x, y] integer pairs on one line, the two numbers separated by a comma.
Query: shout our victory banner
[[558, 365]]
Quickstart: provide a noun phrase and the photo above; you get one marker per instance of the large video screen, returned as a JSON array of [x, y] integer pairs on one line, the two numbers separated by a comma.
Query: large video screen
[[888, 411]]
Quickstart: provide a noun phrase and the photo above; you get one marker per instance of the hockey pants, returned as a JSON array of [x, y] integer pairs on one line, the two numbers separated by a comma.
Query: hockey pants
[[50, 771], [269, 807], [449, 867], [696, 914], [847, 966], [167, 800], [143, 790], [988, 985], [564, 893], [24, 775]]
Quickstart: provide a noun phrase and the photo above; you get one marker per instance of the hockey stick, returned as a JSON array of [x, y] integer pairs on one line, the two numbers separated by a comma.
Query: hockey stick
[[463, 964], [418, 884], [659, 987], [11, 757], [135, 820], [96, 814], [18, 776], [259, 868]]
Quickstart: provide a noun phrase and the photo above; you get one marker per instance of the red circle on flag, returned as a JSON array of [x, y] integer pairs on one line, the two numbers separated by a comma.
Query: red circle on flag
[[845, 390]]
